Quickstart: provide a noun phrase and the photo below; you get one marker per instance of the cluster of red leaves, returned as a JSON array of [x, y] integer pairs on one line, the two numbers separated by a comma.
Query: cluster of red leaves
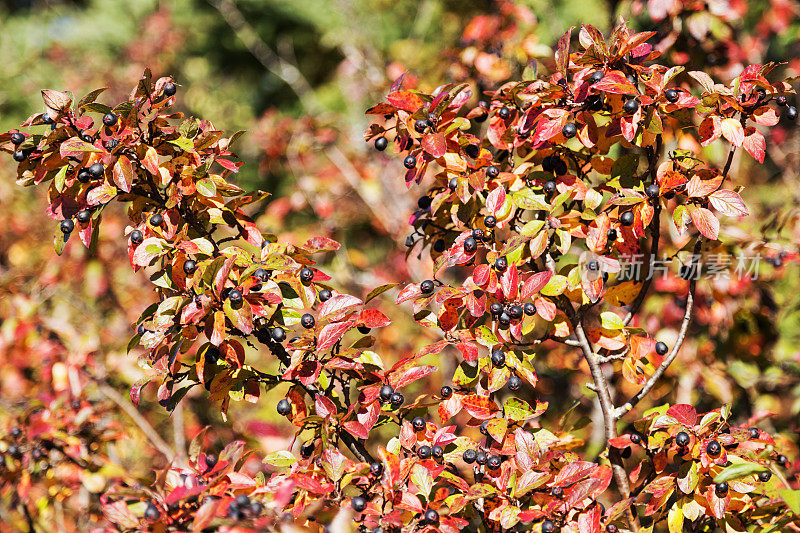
[[556, 168]]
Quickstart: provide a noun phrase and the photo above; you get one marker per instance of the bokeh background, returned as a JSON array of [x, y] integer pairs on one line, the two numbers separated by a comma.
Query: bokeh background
[[298, 76]]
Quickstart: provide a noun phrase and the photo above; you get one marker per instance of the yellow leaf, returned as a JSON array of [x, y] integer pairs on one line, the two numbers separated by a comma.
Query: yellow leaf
[[675, 517]]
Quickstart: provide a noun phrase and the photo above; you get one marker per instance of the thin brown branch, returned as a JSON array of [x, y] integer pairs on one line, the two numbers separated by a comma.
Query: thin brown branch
[[655, 229], [356, 446], [687, 318], [140, 421]]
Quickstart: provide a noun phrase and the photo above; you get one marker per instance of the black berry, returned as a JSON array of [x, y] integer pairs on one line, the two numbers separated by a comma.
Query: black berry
[[569, 130], [791, 112], [611, 234], [515, 312], [426, 287], [96, 170], [446, 391], [431, 517], [67, 226], [495, 309], [261, 274], [84, 216], [189, 267], [626, 218], [548, 526], [136, 237], [418, 423], [652, 190], [19, 156], [235, 296], [550, 187], [151, 512], [671, 95], [661, 348], [504, 112], [469, 456], [529, 309], [631, 106], [284, 407], [557, 492], [782, 460], [480, 458], [386, 392], [721, 488], [324, 295], [306, 274], [307, 321], [492, 171], [170, 89], [410, 162], [424, 452], [780, 100], [453, 184], [493, 462], [501, 263], [156, 220], [109, 119], [596, 76], [84, 176], [498, 358], [376, 469], [764, 476], [754, 433], [17, 138], [636, 437], [713, 448], [490, 221], [278, 334], [358, 503], [470, 245], [424, 202], [397, 400]]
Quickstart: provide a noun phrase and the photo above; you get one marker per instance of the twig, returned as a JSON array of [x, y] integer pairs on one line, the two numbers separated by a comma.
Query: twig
[[687, 317], [356, 446], [140, 421]]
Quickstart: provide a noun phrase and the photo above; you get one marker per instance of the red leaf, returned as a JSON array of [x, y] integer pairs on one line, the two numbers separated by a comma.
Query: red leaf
[[405, 100], [733, 131], [123, 173], [435, 144], [706, 222], [408, 292], [338, 306], [496, 200], [683, 413], [710, 129], [534, 283], [562, 52], [480, 407], [321, 244], [615, 82], [356, 429], [766, 116], [372, 318], [324, 406], [150, 161], [412, 374], [728, 203], [331, 334], [755, 144]]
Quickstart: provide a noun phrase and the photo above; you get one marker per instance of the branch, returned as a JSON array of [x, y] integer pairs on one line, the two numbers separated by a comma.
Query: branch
[[140, 421], [687, 317], [356, 446], [655, 228]]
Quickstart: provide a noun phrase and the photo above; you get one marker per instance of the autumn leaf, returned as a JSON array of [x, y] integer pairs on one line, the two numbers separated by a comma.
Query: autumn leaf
[[728, 203]]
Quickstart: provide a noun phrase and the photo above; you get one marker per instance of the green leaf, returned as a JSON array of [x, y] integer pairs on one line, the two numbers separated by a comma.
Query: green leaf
[[625, 166], [281, 458], [91, 97], [97, 107], [738, 470], [611, 320], [792, 499], [60, 178], [379, 290], [517, 410], [206, 187], [183, 143]]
